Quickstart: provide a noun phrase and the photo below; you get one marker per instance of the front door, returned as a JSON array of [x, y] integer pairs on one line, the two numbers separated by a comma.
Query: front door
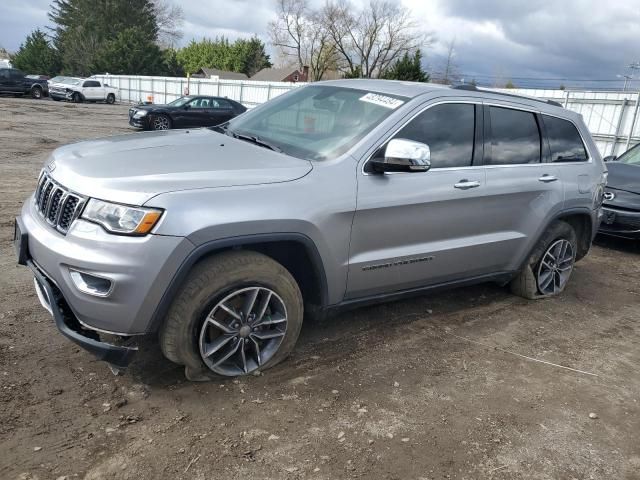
[[417, 229]]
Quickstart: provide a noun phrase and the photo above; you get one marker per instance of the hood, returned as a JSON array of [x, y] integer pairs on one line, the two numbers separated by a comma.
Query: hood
[[623, 176], [136, 167]]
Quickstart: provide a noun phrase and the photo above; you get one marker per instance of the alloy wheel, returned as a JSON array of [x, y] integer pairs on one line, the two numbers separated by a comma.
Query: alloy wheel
[[243, 331], [161, 123], [555, 267]]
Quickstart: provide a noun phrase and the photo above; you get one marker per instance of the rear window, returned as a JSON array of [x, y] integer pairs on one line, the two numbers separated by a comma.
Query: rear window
[[564, 140], [515, 137]]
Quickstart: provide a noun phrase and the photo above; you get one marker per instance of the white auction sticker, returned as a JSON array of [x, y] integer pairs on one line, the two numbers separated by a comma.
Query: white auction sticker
[[382, 100]]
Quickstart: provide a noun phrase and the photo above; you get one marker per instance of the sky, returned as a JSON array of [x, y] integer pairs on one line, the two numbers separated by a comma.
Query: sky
[[534, 43]]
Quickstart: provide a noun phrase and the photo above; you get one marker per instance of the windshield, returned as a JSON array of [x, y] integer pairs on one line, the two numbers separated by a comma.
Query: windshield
[[316, 122], [631, 157], [179, 102]]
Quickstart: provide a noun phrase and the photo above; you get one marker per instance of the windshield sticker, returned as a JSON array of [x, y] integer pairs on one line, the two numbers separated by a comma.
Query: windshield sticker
[[382, 100]]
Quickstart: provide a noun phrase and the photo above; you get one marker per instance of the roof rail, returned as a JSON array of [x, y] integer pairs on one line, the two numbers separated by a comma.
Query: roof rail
[[468, 86]]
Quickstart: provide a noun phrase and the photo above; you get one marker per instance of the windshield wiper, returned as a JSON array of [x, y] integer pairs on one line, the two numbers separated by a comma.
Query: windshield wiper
[[253, 139]]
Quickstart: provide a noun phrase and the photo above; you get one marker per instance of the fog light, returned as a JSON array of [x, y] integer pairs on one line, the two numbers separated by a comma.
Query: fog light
[[91, 284]]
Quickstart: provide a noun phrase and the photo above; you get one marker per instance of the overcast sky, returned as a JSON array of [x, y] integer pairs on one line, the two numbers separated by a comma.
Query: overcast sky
[[518, 39]]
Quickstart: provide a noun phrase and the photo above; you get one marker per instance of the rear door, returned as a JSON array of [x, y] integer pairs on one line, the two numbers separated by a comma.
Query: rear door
[[569, 156], [524, 190], [218, 111], [416, 229], [16, 81]]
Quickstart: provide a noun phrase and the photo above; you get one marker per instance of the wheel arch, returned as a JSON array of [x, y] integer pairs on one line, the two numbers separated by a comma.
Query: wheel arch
[[296, 252], [582, 223]]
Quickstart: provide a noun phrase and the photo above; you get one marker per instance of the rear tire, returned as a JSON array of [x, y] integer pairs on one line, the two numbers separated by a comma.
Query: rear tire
[[36, 92], [531, 281], [261, 341]]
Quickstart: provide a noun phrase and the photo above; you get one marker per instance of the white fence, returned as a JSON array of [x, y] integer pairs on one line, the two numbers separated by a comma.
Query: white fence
[[134, 89], [612, 117]]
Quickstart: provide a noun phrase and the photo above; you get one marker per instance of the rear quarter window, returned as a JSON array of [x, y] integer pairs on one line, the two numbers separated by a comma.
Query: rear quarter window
[[565, 142]]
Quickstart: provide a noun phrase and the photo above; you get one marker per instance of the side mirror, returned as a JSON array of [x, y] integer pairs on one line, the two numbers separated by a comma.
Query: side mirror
[[609, 158], [403, 155], [187, 107]]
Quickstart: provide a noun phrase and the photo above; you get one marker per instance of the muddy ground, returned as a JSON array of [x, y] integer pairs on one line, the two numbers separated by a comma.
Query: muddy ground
[[441, 386]]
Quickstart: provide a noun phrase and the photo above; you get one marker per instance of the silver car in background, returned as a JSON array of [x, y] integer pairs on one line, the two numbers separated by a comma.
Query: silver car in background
[[220, 240]]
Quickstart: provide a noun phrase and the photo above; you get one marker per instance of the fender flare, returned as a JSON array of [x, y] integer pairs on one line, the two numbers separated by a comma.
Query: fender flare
[[213, 246]]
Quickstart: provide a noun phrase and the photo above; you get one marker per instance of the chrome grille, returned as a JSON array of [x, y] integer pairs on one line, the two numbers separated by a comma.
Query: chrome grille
[[56, 204]]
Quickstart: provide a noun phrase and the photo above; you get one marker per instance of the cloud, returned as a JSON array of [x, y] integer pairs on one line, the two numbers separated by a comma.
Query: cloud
[[572, 39]]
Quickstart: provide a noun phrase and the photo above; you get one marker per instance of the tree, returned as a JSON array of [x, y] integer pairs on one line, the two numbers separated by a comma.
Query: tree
[[408, 68], [171, 66], [246, 56], [372, 38], [509, 84], [169, 19], [84, 28], [300, 35], [450, 72], [128, 52], [249, 56], [357, 41], [36, 55]]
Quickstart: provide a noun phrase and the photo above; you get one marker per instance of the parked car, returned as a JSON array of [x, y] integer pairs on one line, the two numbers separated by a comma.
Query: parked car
[[621, 209], [332, 195], [14, 81], [185, 112], [79, 90]]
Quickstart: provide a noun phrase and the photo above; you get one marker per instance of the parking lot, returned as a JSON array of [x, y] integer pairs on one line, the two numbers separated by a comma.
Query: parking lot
[[468, 384]]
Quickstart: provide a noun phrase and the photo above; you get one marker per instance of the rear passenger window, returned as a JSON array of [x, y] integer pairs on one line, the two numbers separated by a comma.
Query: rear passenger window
[[448, 130], [515, 137], [564, 140]]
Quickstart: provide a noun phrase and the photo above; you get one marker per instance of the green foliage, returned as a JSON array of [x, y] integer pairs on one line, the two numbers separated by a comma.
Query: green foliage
[[90, 33], [128, 52], [408, 68], [246, 56], [37, 56], [510, 84], [171, 66], [355, 72]]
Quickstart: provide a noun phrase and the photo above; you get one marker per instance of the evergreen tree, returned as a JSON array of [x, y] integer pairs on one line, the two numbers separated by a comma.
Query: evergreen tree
[[408, 68], [87, 32], [36, 55], [246, 56]]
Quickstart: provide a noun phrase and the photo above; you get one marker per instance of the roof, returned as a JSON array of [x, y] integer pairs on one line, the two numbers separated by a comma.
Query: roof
[[414, 89], [390, 87], [224, 74], [273, 74]]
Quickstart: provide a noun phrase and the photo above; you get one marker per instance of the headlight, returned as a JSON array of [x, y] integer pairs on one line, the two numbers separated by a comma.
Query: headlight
[[121, 218], [140, 113]]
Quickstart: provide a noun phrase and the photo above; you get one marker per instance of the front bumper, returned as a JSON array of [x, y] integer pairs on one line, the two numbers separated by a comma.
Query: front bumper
[[140, 269], [138, 122], [620, 223], [52, 300]]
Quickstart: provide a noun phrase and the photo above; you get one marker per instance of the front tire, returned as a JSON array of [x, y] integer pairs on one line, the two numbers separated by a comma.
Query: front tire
[[237, 312], [160, 122], [111, 99], [76, 98], [549, 267]]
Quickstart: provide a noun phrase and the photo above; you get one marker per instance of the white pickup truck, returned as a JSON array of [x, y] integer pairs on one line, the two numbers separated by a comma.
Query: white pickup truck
[[82, 89]]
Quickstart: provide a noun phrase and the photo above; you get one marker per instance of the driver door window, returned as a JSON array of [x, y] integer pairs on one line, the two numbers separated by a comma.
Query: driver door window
[[449, 131]]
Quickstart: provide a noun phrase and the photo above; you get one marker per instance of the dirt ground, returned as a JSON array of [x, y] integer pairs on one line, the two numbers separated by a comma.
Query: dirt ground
[[441, 386]]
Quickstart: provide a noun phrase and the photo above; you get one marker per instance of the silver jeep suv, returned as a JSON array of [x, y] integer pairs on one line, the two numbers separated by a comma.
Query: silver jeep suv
[[219, 240]]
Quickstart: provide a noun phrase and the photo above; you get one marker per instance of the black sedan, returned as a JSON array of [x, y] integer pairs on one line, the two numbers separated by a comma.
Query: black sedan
[[185, 112], [622, 196]]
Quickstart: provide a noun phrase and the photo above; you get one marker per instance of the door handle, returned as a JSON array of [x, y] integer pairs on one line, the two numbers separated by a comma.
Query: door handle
[[466, 184], [547, 178]]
